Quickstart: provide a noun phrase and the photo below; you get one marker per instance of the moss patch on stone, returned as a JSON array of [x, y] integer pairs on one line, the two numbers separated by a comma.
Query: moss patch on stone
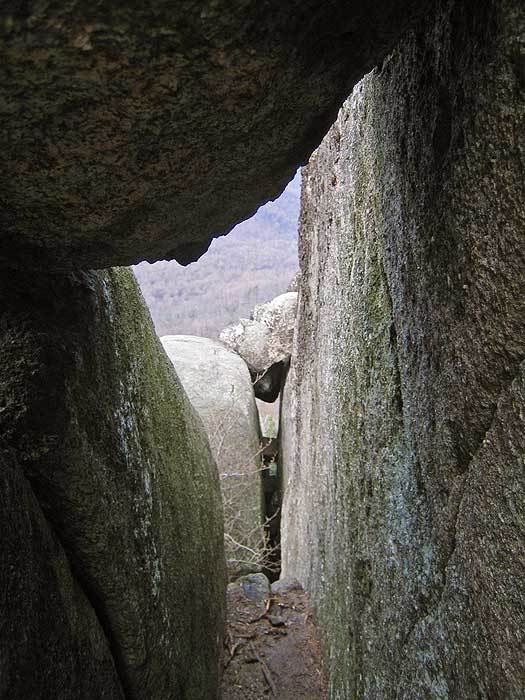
[[122, 468], [407, 357]]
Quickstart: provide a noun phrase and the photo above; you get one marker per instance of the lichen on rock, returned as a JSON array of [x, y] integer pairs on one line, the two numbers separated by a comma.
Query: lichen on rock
[[122, 470], [133, 131], [403, 408], [264, 341]]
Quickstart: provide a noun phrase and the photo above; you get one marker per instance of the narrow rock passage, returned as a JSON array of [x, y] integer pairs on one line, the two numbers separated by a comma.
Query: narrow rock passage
[[271, 648]]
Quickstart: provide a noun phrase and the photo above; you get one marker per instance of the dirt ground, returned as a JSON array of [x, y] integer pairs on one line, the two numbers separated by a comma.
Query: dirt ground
[[271, 649]]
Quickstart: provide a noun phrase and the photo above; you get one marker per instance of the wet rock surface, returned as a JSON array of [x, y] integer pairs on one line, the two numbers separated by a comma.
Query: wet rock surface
[[137, 131], [271, 648]]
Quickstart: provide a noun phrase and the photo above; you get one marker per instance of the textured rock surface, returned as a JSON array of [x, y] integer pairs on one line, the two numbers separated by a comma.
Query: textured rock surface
[[218, 384], [294, 283], [265, 342], [134, 131], [267, 337], [404, 408], [51, 643], [255, 586], [121, 467]]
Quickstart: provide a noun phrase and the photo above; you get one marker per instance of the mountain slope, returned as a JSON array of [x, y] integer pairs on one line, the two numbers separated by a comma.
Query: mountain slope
[[254, 263]]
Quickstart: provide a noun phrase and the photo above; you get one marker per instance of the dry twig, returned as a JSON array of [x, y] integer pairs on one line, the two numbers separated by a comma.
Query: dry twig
[[263, 614], [265, 671]]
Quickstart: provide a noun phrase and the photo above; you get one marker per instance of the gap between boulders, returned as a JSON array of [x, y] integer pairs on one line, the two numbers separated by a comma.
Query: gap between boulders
[[270, 647]]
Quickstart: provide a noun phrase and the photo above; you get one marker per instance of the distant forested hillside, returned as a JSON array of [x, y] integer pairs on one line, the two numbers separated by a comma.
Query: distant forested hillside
[[254, 263]]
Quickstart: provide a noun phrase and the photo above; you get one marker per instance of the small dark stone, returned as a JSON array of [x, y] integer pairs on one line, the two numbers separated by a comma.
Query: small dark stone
[[276, 621]]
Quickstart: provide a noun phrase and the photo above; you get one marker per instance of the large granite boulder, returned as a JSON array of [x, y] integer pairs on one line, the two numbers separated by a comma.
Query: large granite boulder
[[404, 409], [134, 131], [218, 385], [51, 643], [121, 468], [265, 342]]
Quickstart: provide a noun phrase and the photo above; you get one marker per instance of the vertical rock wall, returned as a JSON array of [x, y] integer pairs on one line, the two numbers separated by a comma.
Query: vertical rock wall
[[52, 645], [103, 433], [404, 411]]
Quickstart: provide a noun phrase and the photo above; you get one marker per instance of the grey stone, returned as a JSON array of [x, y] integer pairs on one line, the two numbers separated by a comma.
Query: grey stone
[[285, 586], [51, 642], [121, 467], [404, 409], [134, 131], [265, 342], [277, 621], [218, 385], [267, 337], [255, 586]]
